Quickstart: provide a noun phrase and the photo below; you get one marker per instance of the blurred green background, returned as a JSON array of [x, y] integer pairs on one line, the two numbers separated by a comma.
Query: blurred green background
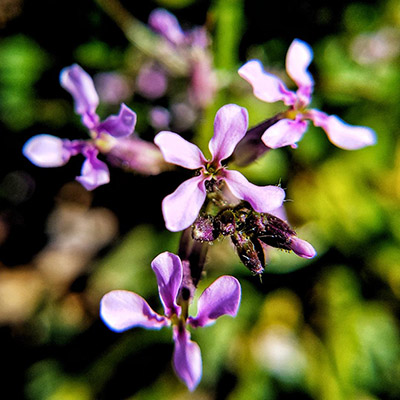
[[326, 328]]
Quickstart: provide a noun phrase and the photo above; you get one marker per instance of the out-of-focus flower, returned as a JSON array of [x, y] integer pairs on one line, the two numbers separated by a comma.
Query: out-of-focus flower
[[191, 45], [374, 47], [113, 87], [159, 117], [50, 151], [152, 81], [122, 310], [293, 123], [181, 208]]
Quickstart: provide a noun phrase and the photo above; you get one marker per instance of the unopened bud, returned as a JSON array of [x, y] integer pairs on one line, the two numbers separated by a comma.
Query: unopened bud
[[225, 222], [302, 248], [250, 252], [138, 155]]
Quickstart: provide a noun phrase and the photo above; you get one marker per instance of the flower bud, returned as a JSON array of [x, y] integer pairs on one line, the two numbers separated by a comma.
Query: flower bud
[[250, 252], [302, 248], [225, 222]]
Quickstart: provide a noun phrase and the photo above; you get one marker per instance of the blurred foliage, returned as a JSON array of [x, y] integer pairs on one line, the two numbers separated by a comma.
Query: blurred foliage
[[324, 329]]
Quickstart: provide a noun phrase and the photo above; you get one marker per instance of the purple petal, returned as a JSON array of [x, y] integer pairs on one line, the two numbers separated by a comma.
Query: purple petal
[[298, 58], [120, 125], [286, 132], [79, 83], [182, 207], [230, 126], [266, 87], [302, 248], [261, 198], [176, 150], [46, 151], [220, 298], [341, 134], [94, 173], [121, 310], [168, 270], [187, 359], [167, 25]]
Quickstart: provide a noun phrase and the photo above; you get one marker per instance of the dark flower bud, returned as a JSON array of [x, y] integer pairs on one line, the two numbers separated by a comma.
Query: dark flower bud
[[250, 252], [277, 233], [225, 223]]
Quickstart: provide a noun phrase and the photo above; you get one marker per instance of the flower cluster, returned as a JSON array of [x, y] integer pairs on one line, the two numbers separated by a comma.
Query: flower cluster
[[215, 202]]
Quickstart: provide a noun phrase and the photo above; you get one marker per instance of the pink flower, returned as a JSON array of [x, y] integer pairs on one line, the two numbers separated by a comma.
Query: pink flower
[[122, 310], [290, 129], [50, 151], [181, 208]]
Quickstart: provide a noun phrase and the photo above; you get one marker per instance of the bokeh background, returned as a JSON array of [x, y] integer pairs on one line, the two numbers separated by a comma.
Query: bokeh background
[[326, 328]]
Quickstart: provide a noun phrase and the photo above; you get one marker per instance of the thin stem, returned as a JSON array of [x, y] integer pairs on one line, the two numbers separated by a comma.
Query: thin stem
[[144, 39], [194, 253]]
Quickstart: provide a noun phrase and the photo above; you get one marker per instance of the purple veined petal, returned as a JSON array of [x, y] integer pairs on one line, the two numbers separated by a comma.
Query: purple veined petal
[[302, 248], [230, 126], [298, 58], [221, 298], [80, 85], [341, 134], [120, 125], [286, 132], [261, 198], [94, 172], [177, 150], [167, 25], [181, 208], [121, 310], [266, 87], [46, 151], [169, 272], [187, 359]]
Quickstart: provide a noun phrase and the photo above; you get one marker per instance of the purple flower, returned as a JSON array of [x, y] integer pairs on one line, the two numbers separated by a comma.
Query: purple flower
[[49, 151], [122, 310], [181, 208], [167, 25], [290, 129]]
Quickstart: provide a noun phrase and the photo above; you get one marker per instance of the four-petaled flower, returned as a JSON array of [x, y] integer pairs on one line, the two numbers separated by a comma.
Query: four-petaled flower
[[290, 129], [121, 310], [181, 208], [50, 151]]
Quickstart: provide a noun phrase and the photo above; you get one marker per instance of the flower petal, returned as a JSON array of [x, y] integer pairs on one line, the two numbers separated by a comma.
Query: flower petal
[[94, 173], [167, 25], [298, 58], [220, 298], [187, 359], [46, 151], [121, 310], [230, 126], [286, 132], [169, 272], [261, 198], [341, 134], [120, 125], [182, 207], [176, 150], [79, 83], [266, 87]]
